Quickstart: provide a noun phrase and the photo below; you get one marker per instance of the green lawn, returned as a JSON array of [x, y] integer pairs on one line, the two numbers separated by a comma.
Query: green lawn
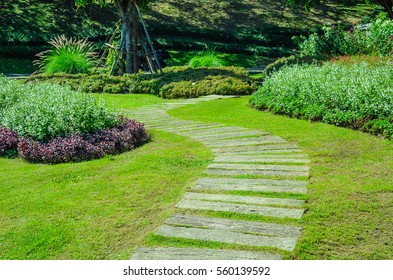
[[103, 209], [100, 209], [350, 200]]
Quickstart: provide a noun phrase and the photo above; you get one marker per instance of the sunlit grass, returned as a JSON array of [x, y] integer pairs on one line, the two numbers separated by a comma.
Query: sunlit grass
[[350, 194]]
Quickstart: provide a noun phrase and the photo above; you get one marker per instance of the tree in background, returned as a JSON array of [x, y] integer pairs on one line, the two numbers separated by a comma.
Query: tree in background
[[127, 10], [38, 21]]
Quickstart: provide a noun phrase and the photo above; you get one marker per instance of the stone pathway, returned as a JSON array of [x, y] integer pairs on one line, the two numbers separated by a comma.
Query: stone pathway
[[264, 166]]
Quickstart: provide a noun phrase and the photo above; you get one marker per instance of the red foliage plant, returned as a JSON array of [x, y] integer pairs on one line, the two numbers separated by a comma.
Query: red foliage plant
[[126, 135]]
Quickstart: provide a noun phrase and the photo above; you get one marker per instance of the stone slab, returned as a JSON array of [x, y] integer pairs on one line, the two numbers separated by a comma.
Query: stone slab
[[169, 125], [263, 138], [232, 135], [214, 131], [272, 173], [240, 208], [191, 128], [256, 185], [199, 254], [253, 142], [257, 152], [254, 149], [245, 199], [296, 158], [284, 243], [241, 166], [234, 225]]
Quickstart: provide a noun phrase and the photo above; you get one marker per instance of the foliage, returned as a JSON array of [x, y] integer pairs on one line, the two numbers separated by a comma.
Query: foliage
[[142, 3], [206, 58], [219, 85], [357, 96], [293, 59], [204, 80], [356, 59], [375, 38], [8, 142], [125, 136], [40, 20], [70, 56], [45, 111]]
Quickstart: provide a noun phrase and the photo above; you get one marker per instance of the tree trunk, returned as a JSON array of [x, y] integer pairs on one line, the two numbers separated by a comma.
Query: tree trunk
[[129, 35]]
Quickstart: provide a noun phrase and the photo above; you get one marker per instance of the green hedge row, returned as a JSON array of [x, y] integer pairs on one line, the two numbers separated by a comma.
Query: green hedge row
[[174, 82], [359, 96]]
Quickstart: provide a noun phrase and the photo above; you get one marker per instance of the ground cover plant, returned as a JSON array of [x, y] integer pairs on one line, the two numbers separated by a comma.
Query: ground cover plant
[[358, 95], [53, 124], [348, 210], [174, 82]]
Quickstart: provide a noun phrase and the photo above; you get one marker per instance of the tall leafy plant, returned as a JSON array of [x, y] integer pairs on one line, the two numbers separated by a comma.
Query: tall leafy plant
[[70, 56]]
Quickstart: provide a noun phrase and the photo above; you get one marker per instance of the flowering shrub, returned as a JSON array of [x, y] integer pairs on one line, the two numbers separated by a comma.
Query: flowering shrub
[[358, 96], [8, 142], [125, 136]]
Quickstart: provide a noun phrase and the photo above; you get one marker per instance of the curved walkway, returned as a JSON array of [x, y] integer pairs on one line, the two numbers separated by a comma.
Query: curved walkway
[[263, 167]]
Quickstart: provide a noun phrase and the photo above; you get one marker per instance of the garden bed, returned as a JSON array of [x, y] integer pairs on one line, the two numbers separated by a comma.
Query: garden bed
[[358, 96], [47, 123]]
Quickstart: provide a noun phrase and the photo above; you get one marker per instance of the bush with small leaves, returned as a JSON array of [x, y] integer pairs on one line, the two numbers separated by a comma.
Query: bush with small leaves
[[206, 80], [125, 136], [45, 111], [358, 96], [8, 142]]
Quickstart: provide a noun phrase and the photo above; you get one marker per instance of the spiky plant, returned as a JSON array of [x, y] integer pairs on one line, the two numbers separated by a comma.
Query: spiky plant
[[70, 56]]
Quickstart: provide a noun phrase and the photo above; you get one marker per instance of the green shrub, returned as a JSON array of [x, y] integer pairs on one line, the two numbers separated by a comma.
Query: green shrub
[[202, 81], [374, 38], [219, 85], [292, 60], [45, 111], [70, 56], [358, 96]]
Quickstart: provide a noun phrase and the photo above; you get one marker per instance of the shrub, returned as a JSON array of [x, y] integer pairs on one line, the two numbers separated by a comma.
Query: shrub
[[125, 136], [358, 96], [210, 80], [374, 38], [45, 111], [210, 85], [68, 56], [8, 142], [292, 60]]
